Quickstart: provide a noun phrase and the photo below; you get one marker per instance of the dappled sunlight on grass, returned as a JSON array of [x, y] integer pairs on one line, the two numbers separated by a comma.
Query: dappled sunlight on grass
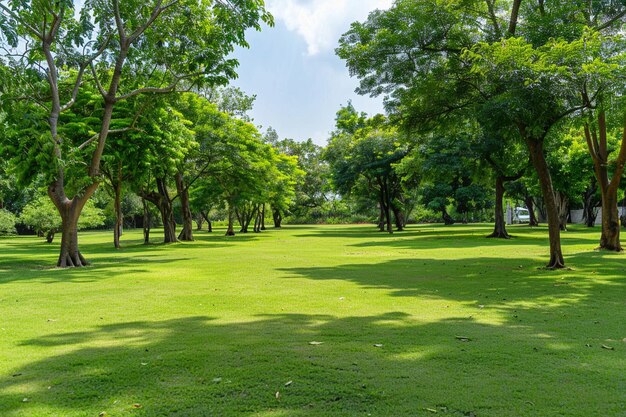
[[434, 319]]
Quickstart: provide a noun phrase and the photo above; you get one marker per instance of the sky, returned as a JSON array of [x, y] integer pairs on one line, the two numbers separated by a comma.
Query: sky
[[292, 68]]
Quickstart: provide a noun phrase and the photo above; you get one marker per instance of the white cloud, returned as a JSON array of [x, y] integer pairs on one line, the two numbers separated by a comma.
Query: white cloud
[[321, 22]]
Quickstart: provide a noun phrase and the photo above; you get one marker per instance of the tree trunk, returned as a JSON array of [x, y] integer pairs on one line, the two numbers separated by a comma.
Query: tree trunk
[[609, 238], [257, 220], [528, 200], [119, 216], [199, 221], [399, 217], [205, 216], [589, 203], [535, 147], [562, 203], [50, 236], [169, 223], [598, 148], [278, 218], [69, 210], [187, 233], [263, 217], [381, 216], [163, 202], [622, 218], [499, 230], [386, 203], [447, 219], [230, 231], [146, 222]]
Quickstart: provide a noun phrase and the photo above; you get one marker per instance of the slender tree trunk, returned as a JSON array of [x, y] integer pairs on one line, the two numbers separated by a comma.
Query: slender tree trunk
[[399, 217], [535, 147], [447, 219], [50, 236], [598, 148], [257, 220], [205, 215], [240, 219], [386, 199], [381, 215], [146, 222], [623, 216], [589, 203], [230, 231], [562, 203], [187, 233], [499, 230], [528, 200], [199, 221], [263, 217], [119, 216]]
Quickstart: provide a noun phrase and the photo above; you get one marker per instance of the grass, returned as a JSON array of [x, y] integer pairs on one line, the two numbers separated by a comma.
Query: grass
[[222, 326]]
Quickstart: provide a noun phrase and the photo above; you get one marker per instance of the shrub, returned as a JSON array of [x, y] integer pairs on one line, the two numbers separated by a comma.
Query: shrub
[[7, 222]]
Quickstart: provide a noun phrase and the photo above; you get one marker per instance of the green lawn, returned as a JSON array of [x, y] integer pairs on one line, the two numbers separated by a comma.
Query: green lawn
[[222, 326]]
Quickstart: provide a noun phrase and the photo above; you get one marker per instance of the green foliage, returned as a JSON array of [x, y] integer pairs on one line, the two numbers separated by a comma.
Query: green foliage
[[42, 216], [7, 222], [311, 188]]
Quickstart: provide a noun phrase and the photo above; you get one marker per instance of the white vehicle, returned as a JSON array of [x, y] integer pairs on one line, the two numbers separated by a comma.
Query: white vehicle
[[521, 215]]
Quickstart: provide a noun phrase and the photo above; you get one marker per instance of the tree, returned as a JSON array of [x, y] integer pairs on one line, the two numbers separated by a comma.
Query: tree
[[362, 154], [7, 222], [449, 168], [117, 43], [41, 216], [432, 59], [312, 185]]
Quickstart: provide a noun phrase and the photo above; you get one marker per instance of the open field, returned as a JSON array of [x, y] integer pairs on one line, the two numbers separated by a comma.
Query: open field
[[222, 326]]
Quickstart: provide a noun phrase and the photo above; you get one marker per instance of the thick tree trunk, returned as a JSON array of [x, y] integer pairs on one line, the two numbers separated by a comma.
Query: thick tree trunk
[[162, 201], [70, 255], [69, 210], [187, 233], [278, 218], [230, 231], [535, 147], [609, 238], [499, 230]]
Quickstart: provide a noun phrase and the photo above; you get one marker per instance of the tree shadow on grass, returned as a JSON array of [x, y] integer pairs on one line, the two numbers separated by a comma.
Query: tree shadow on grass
[[388, 364], [503, 285], [429, 237]]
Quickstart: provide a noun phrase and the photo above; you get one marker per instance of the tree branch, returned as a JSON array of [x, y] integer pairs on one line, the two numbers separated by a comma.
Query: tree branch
[[32, 29]]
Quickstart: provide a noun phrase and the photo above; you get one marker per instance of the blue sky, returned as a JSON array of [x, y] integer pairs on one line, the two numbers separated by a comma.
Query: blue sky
[[293, 70]]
